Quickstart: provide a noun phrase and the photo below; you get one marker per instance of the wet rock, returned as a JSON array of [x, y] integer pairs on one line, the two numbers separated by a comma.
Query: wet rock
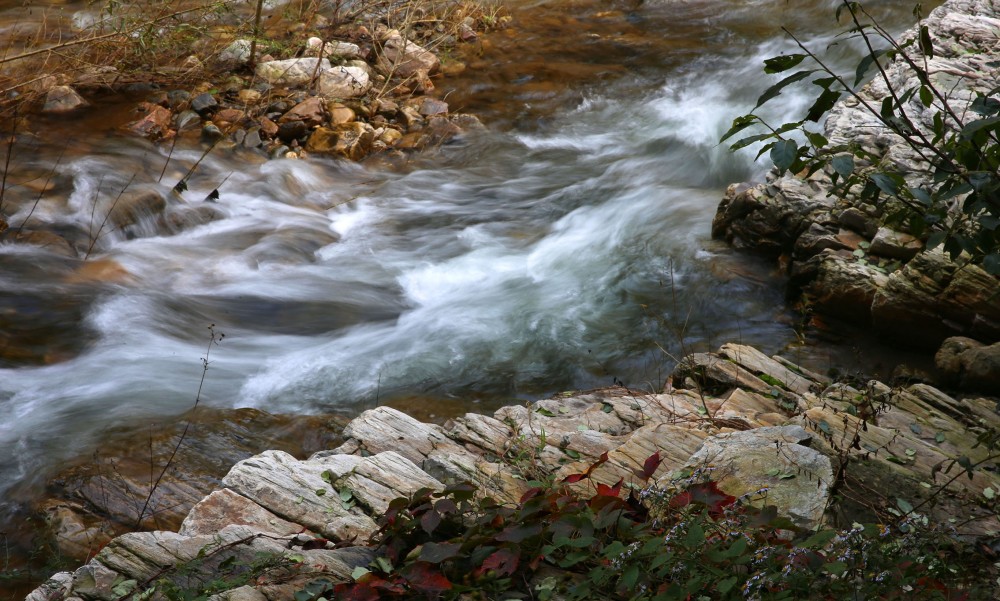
[[292, 130], [50, 241], [293, 71], [227, 117], [859, 221], [211, 133], [890, 243], [970, 364], [931, 298], [390, 136], [131, 208], [204, 104], [349, 140], [62, 99], [186, 119], [344, 82], [404, 58], [838, 284], [310, 111], [178, 100], [432, 106], [797, 479], [155, 125], [268, 128], [340, 113], [252, 139], [72, 535]]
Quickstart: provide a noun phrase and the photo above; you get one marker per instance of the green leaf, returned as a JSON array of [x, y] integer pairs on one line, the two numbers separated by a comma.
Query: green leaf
[[989, 493], [824, 427], [359, 572], [775, 90], [785, 62], [885, 183], [824, 103], [904, 505], [843, 164], [739, 124], [724, 586], [916, 429], [784, 153], [630, 577], [747, 141], [345, 494], [545, 412], [939, 437], [991, 263], [866, 64], [607, 408], [571, 453], [438, 552], [926, 97], [926, 46], [978, 125]]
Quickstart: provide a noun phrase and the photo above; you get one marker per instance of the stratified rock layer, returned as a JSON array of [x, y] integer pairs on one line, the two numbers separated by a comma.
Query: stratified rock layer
[[762, 427], [842, 255]]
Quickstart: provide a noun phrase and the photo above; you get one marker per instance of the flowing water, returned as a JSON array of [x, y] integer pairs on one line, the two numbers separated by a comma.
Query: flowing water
[[567, 247]]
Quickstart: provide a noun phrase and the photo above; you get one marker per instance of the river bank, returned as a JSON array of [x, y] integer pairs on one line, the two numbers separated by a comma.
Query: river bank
[[531, 94]]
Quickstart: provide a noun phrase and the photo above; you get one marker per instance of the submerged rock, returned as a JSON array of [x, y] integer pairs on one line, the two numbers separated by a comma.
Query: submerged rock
[[63, 99]]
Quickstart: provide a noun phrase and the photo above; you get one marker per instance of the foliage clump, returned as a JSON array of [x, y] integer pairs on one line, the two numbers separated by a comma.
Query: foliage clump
[[580, 539]]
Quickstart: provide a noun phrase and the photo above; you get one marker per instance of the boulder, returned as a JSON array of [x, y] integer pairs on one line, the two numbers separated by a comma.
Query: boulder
[[292, 72], [344, 82], [770, 466], [62, 99], [348, 140], [136, 206], [970, 364]]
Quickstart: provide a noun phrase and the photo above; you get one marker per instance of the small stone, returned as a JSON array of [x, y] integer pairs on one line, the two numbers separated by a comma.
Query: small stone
[[203, 104], [404, 58], [249, 97], [344, 82], [433, 106], [192, 63], [291, 130], [228, 116], [211, 133], [252, 139], [267, 127], [62, 99], [155, 125], [390, 136], [279, 152], [349, 140], [178, 99], [310, 111], [186, 119], [335, 48], [237, 53], [340, 113]]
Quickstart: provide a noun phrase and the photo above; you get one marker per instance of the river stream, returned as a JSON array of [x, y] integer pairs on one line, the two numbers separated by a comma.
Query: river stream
[[567, 247]]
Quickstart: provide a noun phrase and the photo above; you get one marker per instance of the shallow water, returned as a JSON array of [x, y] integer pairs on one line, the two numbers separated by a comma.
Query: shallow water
[[566, 248]]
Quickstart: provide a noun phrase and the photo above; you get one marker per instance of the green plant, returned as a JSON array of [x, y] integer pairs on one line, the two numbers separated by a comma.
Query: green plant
[[582, 539], [952, 198]]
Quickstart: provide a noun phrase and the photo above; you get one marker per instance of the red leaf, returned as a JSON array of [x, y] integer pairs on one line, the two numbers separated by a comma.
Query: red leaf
[[610, 491], [704, 493], [574, 478], [503, 562], [649, 467], [517, 534], [354, 591], [426, 578], [531, 493], [378, 583], [430, 521], [600, 461]]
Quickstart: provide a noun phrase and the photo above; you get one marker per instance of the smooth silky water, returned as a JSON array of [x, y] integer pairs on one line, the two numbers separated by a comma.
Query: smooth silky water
[[565, 248]]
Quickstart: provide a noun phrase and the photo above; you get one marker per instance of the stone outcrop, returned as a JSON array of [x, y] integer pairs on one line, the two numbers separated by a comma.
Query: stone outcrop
[[840, 252], [763, 428]]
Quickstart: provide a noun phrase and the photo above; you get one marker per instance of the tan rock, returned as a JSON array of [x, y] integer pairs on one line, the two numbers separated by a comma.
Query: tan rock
[[155, 124], [348, 140], [340, 113], [311, 111], [62, 99], [404, 58]]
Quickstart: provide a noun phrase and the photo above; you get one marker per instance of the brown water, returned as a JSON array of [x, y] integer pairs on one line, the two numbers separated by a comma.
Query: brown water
[[566, 248]]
